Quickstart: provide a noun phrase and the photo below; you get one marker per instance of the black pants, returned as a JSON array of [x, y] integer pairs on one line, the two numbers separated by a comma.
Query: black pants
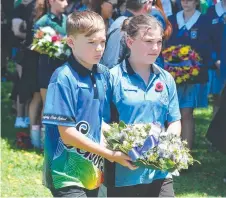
[[158, 188], [74, 191]]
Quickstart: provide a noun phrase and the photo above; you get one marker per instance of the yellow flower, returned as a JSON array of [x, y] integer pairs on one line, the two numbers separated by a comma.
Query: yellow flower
[[186, 68], [179, 80], [195, 72], [172, 48], [184, 51], [173, 74], [186, 76]]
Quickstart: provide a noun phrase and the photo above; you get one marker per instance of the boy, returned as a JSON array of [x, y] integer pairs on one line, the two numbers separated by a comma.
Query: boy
[[73, 113]]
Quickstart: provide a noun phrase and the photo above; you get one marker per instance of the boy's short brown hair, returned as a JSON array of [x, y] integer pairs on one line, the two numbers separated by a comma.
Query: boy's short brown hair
[[84, 22]]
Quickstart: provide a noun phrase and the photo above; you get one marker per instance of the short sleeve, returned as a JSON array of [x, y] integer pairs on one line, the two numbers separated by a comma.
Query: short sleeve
[[173, 110], [60, 105]]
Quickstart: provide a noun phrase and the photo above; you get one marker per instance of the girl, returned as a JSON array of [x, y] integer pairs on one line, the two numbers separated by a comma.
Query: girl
[[190, 28], [132, 91]]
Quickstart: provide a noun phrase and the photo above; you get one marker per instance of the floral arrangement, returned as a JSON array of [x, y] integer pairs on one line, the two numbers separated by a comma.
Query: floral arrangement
[[149, 146], [48, 41], [182, 62]]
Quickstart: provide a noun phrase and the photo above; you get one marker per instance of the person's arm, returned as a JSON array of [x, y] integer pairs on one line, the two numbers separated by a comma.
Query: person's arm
[[72, 137], [174, 127], [173, 116]]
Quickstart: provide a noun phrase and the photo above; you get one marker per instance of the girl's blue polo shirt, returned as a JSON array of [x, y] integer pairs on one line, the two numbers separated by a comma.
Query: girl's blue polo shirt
[[75, 98], [137, 102]]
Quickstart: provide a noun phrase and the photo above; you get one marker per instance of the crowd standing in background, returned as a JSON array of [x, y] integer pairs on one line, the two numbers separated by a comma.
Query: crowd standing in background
[[200, 24]]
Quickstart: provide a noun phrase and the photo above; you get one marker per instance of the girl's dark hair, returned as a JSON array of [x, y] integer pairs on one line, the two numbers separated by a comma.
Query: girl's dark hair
[[41, 8], [132, 25], [168, 30]]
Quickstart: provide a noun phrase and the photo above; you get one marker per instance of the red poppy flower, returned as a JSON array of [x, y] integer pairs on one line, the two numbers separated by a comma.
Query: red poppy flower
[[159, 87], [55, 38]]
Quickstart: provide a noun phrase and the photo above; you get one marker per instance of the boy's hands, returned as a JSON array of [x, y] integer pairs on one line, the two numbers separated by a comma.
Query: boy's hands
[[117, 156], [123, 159]]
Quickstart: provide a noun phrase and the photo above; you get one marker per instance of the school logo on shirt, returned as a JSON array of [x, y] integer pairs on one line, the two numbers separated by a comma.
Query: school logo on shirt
[[215, 21], [194, 34], [83, 127]]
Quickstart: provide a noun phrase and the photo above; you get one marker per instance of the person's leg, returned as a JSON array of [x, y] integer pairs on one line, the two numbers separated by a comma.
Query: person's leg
[[74, 191], [34, 109], [43, 96], [188, 125], [127, 191], [160, 188]]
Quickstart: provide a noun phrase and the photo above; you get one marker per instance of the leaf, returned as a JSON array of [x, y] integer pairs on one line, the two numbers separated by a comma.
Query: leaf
[[121, 125]]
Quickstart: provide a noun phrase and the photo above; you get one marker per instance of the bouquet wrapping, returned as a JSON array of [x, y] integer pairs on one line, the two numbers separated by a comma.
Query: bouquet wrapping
[[148, 145], [48, 41], [183, 63]]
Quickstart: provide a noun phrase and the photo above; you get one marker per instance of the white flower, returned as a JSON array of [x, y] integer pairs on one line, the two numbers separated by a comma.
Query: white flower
[[41, 41], [47, 38], [48, 30]]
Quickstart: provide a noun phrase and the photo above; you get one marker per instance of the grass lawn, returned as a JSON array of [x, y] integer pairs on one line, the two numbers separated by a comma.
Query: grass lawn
[[22, 169]]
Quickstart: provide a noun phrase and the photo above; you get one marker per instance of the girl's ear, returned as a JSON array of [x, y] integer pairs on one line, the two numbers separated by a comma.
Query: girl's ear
[[70, 42], [129, 42]]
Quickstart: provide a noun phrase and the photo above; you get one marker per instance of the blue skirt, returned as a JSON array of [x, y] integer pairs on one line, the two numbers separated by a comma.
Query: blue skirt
[[192, 95]]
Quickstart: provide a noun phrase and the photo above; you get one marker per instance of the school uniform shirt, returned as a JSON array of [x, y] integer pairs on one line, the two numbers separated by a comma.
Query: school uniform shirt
[[195, 32], [75, 98], [137, 102], [51, 20], [217, 18]]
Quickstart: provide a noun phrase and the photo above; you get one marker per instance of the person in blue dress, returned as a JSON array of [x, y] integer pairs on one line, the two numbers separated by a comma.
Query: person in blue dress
[[116, 38], [134, 94], [56, 20], [217, 18], [191, 28]]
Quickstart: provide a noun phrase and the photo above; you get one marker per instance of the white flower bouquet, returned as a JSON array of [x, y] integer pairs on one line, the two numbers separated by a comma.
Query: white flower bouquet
[[48, 41], [149, 146]]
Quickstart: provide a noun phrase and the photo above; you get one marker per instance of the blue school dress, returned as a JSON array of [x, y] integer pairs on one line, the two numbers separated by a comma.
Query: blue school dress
[[194, 33], [216, 17]]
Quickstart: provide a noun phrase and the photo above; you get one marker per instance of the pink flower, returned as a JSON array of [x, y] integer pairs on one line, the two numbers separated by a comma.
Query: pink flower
[[159, 87]]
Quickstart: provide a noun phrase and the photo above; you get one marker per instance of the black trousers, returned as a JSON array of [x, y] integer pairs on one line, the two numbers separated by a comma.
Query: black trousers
[[158, 188], [74, 191]]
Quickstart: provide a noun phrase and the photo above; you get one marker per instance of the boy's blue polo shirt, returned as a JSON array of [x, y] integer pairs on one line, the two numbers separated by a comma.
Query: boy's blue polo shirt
[[75, 98], [137, 102]]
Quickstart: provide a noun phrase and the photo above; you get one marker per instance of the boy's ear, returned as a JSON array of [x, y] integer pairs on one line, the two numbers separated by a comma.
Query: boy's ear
[[70, 42]]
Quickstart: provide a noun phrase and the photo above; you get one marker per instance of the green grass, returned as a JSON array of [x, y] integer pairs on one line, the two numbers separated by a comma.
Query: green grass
[[22, 169]]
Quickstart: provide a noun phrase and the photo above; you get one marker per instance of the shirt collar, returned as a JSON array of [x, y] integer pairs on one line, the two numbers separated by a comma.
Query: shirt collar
[[126, 67], [55, 18], [181, 23], [80, 69], [219, 9]]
